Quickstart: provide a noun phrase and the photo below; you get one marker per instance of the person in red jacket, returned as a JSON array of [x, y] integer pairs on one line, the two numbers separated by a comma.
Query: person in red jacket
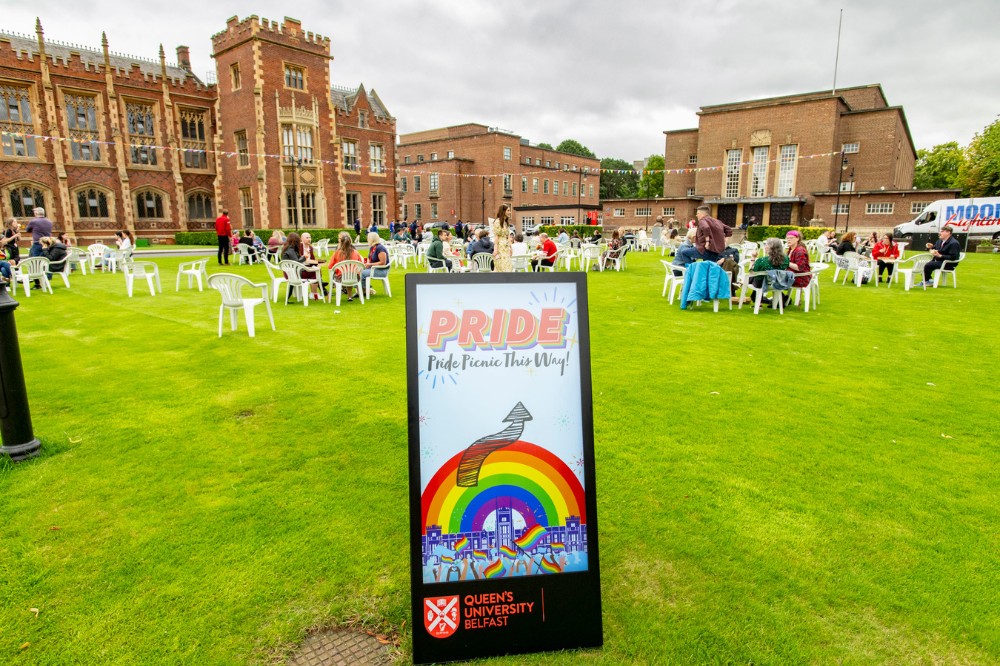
[[886, 253], [223, 229], [550, 250]]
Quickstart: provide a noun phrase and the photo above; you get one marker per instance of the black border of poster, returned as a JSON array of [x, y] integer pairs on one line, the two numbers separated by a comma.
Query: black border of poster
[[566, 611]]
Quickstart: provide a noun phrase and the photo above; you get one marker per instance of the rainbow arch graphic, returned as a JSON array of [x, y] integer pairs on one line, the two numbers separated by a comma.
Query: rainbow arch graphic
[[527, 478]]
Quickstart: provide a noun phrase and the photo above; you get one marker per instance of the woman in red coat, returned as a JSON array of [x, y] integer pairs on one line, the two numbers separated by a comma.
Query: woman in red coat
[[886, 253], [798, 257]]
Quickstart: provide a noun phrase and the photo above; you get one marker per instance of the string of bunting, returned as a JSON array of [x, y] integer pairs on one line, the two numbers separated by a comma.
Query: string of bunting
[[224, 153]]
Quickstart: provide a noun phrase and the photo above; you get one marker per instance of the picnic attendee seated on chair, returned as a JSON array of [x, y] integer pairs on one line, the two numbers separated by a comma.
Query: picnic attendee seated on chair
[[563, 237], [846, 243], [945, 249], [310, 259], [258, 244], [885, 253], [435, 251], [827, 241], [275, 242], [345, 252], [481, 244], [294, 250], [377, 263], [771, 259], [123, 240], [798, 258], [548, 246], [687, 242], [55, 252], [246, 238], [709, 240], [614, 248], [518, 247]]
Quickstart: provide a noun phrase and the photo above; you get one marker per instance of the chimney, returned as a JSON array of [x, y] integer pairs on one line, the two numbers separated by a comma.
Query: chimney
[[184, 57]]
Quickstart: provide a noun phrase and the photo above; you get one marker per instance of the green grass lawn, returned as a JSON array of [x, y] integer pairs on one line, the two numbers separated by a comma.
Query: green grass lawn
[[809, 488]]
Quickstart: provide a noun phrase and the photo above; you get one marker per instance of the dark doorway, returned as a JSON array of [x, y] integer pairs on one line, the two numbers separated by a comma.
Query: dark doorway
[[781, 213], [727, 214], [755, 211]]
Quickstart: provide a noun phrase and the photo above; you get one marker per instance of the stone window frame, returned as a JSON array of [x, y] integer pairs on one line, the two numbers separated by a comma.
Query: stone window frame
[[202, 192], [202, 144], [733, 167], [235, 78], [417, 211], [246, 206], [164, 203], [151, 142], [851, 147], [508, 153], [693, 159], [880, 208], [434, 211], [917, 207], [788, 165], [242, 154], [845, 208], [376, 165], [109, 202], [19, 125], [97, 135], [757, 185], [356, 168], [618, 212], [534, 186], [434, 183], [291, 68], [48, 199]]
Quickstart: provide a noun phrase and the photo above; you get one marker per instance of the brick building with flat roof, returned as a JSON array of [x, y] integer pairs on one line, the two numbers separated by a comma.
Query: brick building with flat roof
[[784, 160], [105, 141], [466, 171]]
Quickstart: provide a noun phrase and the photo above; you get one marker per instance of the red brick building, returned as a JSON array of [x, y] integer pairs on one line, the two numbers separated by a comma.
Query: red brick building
[[783, 160], [105, 141], [466, 171], [638, 214]]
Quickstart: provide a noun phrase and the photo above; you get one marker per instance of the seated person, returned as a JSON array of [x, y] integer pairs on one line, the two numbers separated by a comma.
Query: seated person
[[773, 258], [482, 244], [274, 243], [548, 247], [798, 257], [886, 253], [709, 240], [688, 242], [615, 246], [345, 252], [866, 245], [56, 253], [563, 237], [575, 241], [518, 247], [246, 238], [435, 251], [846, 243], [377, 263], [945, 249], [258, 244]]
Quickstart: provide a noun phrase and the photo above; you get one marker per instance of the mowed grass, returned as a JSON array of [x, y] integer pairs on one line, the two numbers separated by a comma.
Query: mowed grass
[[808, 488]]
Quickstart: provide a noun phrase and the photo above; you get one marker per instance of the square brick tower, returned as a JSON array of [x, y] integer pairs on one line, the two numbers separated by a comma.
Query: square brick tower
[[278, 130]]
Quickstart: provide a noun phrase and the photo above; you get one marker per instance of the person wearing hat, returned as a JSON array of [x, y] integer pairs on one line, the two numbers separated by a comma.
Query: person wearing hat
[[945, 249]]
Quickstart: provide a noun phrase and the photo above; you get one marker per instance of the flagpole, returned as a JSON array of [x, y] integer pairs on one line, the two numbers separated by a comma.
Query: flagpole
[[836, 59]]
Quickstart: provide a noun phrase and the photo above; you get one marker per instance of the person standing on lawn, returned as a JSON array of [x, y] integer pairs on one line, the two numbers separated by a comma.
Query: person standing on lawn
[[709, 240], [223, 229]]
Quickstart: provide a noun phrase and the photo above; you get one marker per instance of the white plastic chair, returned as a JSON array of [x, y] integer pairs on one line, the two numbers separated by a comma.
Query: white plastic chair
[[322, 247], [404, 253], [616, 257], [384, 279], [117, 258], [194, 270], [520, 263], [32, 268], [350, 276], [482, 262], [64, 271], [672, 284], [96, 252], [436, 265], [590, 254], [910, 267], [567, 256], [141, 269], [79, 258], [757, 293], [231, 288], [293, 273], [247, 253], [947, 268], [277, 277]]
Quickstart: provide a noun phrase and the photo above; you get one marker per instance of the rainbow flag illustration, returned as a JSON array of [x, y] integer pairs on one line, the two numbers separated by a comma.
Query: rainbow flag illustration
[[508, 551], [480, 554], [550, 567], [461, 544], [531, 537], [447, 558], [495, 570], [556, 546]]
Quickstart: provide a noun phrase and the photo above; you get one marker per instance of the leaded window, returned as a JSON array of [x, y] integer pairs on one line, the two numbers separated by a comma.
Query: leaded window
[[81, 119], [200, 206], [295, 77], [91, 203], [242, 149], [434, 178], [24, 200], [733, 167], [246, 203], [141, 132], [350, 149], [306, 205], [353, 205], [378, 209], [758, 176], [377, 155], [297, 142], [15, 120], [149, 205], [193, 139], [786, 170]]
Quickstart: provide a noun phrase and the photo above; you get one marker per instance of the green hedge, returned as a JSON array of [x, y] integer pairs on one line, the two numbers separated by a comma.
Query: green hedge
[[586, 230], [209, 237], [760, 232]]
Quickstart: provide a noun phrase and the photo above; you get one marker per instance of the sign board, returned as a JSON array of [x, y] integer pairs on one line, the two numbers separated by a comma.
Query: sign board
[[503, 509]]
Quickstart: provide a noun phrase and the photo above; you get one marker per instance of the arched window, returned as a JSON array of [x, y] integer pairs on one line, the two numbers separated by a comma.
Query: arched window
[[200, 206], [92, 203], [24, 199], [149, 205]]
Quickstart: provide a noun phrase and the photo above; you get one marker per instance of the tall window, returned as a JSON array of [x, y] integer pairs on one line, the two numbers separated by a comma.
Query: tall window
[[733, 159], [451, 154], [149, 206], [434, 181], [378, 209], [406, 212], [297, 142], [506, 152], [574, 189], [81, 118], [306, 205], [200, 206], [786, 170], [434, 211], [524, 184], [24, 199], [417, 211], [545, 186], [15, 117], [565, 188], [242, 149], [376, 152], [91, 203], [193, 139], [353, 206], [416, 183], [402, 184], [508, 183], [758, 178], [534, 186], [350, 150], [363, 121], [234, 75], [295, 77], [141, 132], [246, 205]]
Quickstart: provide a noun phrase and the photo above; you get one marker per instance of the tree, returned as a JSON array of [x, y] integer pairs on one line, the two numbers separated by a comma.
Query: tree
[[980, 173], [651, 183], [939, 167], [576, 148], [546, 146], [618, 180]]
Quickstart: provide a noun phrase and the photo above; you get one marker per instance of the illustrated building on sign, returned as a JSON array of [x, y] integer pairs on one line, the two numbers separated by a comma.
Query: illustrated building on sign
[[105, 141]]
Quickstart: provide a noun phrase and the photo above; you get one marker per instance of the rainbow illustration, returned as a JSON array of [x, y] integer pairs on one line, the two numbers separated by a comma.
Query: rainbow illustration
[[558, 547], [480, 554], [447, 558], [530, 537], [529, 479], [495, 570], [508, 551], [550, 567], [461, 545]]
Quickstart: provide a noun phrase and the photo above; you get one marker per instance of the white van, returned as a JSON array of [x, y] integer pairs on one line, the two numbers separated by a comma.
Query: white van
[[980, 218]]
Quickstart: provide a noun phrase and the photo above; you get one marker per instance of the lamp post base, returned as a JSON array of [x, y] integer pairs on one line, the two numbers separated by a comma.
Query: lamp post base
[[22, 451]]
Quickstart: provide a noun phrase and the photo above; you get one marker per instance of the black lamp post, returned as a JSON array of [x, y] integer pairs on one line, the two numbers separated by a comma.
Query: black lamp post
[[484, 196], [847, 222], [18, 438], [840, 183], [296, 163]]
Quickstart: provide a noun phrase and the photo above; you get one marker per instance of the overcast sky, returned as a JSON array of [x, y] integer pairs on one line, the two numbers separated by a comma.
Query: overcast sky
[[613, 74]]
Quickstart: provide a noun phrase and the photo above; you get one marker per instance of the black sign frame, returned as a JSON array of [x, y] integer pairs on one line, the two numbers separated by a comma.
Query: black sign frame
[[545, 612]]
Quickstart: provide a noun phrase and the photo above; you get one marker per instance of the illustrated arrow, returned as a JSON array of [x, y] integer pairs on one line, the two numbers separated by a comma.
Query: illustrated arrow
[[474, 456]]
